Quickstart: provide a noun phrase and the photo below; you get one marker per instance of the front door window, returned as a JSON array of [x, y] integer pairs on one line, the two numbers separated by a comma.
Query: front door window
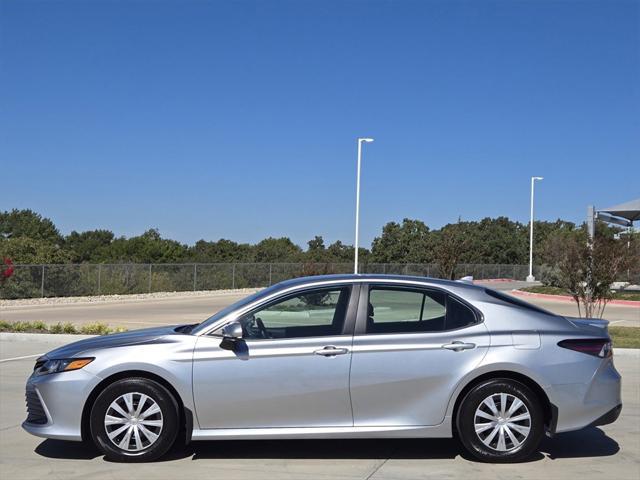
[[315, 313]]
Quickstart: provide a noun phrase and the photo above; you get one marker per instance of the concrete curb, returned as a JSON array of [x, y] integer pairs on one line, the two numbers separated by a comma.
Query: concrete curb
[[42, 337], [626, 352], [567, 298]]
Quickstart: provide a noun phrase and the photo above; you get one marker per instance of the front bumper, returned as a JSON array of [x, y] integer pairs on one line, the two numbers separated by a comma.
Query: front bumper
[[55, 403]]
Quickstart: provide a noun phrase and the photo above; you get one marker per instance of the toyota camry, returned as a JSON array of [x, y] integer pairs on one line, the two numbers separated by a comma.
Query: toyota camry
[[348, 356]]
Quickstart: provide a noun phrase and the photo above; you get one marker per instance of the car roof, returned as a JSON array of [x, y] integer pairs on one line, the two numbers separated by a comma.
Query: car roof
[[364, 278]]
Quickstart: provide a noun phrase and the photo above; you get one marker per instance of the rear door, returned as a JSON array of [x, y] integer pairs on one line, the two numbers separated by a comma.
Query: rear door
[[291, 369], [411, 348]]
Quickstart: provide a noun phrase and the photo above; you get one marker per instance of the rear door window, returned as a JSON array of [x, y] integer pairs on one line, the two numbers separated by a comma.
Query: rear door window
[[400, 310], [393, 310]]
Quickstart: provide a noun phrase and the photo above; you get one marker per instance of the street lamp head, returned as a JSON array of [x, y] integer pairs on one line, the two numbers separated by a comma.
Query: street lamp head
[[366, 140], [538, 178]]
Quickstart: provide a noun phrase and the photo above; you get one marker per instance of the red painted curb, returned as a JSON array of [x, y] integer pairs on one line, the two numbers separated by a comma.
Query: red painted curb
[[567, 298]]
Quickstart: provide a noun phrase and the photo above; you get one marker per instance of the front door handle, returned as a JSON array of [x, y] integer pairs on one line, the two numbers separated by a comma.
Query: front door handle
[[331, 351], [459, 346]]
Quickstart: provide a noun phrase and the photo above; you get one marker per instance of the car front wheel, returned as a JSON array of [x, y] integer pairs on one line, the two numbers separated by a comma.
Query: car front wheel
[[500, 420], [134, 420]]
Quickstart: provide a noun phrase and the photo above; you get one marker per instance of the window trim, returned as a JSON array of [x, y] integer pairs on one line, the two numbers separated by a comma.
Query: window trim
[[363, 304], [349, 316]]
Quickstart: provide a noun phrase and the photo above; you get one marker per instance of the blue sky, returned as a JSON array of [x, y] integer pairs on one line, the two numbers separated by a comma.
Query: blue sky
[[238, 119]]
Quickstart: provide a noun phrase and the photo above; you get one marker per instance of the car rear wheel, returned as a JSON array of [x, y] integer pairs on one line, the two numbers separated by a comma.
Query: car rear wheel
[[500, 420], [134, 420]]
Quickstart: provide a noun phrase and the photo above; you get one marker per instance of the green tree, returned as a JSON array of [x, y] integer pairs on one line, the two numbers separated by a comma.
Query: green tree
[[149, 247], [316, 251], [90, 246], [452, 242], [281, 249], [495, 241], [404, 243], [28, 250], [26, 281], [222, 251], [27, 223], [340, 253]]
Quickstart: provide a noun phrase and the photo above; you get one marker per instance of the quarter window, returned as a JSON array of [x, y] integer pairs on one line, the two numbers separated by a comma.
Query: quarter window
[[458, 314], [313, 313]]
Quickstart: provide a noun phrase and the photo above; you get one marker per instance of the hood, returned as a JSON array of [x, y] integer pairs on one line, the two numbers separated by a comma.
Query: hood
[[114, 340]]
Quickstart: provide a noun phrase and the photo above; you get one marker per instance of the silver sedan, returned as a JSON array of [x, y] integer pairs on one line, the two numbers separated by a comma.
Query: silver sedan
[[350, 356]]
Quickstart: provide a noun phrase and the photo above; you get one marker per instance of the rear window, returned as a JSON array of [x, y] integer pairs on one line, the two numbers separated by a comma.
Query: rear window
[[515, 301]]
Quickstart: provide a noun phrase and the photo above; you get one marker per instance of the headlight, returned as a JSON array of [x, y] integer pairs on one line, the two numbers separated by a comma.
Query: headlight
[[60, 365]]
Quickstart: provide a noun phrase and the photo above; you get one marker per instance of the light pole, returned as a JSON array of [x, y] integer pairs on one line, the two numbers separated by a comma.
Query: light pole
[[360, 141], [531, 278]]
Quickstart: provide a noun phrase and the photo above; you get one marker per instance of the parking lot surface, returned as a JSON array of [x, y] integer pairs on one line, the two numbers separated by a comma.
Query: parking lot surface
[[609, 452]]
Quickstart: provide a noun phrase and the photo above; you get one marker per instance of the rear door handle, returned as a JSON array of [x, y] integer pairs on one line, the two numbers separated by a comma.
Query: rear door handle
[[331, 351], [459, 346]]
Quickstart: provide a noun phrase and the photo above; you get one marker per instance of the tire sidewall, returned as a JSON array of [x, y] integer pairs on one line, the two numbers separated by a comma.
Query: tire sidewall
[[160, 395], [466, 421]]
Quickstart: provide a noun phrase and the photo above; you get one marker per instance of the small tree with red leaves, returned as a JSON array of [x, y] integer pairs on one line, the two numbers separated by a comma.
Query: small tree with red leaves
[[6, 270]]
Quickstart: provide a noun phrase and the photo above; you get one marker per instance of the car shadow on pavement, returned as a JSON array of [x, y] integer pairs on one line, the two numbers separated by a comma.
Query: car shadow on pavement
[[591, 442], [67, 450], [327, 449]]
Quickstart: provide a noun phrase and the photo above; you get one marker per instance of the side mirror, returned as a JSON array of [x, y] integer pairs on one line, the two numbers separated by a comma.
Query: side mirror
[[231, 334], [232, 331]]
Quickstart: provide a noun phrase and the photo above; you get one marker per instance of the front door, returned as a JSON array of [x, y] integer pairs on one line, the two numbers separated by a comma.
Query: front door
[[291, 368], [411, 348]]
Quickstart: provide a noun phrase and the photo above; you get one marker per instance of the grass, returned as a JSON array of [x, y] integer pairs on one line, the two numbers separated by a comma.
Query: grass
[[41, 327], [561, 291], [625, 337]]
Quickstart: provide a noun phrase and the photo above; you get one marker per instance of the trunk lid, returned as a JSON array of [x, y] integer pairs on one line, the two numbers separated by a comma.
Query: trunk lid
[[595, 327]]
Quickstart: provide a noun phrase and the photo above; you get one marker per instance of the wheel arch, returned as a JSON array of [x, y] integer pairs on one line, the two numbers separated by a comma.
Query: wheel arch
[[185, 415], [550, 410]]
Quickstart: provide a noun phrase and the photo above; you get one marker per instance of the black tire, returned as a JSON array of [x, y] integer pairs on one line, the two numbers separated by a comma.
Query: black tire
[[510, 451], [168, 416]]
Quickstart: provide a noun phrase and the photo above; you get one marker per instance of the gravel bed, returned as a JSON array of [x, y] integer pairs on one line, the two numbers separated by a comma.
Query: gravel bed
[[122, 298]]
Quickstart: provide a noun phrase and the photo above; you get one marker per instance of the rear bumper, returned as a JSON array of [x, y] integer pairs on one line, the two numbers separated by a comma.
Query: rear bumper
[[609, 417], [580, 405]]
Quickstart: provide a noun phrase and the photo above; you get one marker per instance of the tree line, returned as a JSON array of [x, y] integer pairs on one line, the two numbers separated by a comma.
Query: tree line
[[28, 237]]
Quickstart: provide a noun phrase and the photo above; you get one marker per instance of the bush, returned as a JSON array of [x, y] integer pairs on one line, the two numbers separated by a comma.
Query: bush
[[41, 327], [62, 328], [550, 275], [95, 329]]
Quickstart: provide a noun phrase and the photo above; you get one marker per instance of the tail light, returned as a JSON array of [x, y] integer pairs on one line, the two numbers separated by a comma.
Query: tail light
[[598, 347]]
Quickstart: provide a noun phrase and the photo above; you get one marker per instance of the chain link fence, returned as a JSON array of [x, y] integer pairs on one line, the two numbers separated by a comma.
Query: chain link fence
[[31, 281]]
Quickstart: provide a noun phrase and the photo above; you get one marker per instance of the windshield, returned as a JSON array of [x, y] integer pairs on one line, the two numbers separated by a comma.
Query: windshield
[[234, 306]]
